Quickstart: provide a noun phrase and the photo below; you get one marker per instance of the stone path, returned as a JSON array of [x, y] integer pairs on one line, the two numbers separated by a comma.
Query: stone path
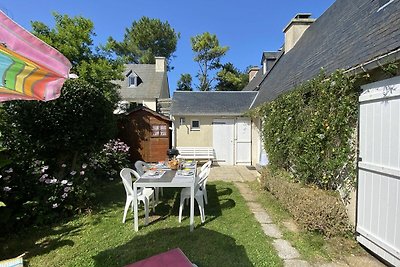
[[290, 256]]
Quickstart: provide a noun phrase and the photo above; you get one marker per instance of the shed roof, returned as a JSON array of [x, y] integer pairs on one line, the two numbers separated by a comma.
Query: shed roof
[[146, 109], [349, 33], [212, 103], [151, 82]]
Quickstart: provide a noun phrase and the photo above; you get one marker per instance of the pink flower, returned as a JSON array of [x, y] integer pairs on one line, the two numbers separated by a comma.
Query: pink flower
[[55, 205], [82, 173]]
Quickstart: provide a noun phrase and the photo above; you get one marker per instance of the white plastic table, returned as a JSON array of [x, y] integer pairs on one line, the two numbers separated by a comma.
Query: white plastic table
[[168, 179]]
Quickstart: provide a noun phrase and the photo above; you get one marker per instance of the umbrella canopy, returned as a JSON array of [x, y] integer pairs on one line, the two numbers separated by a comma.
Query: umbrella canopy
[[30, 69]]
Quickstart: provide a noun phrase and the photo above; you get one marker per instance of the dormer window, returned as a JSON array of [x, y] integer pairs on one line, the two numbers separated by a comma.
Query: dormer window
[[133, 79]]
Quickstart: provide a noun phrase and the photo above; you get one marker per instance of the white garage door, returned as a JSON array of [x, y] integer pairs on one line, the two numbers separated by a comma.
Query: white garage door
[[378, 201]]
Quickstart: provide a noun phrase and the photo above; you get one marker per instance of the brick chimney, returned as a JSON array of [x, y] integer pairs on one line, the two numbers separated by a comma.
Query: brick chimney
[[295, 29], [252, 72], [161, 64]]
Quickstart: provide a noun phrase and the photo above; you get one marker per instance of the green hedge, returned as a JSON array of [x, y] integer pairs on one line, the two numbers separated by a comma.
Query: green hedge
[[310, 131], [312, 208]]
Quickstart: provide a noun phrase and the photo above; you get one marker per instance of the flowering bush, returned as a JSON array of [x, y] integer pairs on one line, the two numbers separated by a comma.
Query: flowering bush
[[37, 193], [111, 159], [40, 191]]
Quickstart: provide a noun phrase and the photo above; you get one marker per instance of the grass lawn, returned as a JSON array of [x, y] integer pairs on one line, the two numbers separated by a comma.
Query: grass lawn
[[230, 236], [313, 247]]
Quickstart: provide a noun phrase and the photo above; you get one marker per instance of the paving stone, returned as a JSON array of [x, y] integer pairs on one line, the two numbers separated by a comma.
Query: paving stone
[[291, 226], [296, 263], [249, 197], [255, 206], [271, 230], [262, 217], [285, 250], [355, 261], [333, 264]]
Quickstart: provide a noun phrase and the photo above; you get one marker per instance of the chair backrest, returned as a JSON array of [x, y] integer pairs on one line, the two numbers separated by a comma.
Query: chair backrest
[[139, 166], [126, 176], [206, 165], [203, 176]]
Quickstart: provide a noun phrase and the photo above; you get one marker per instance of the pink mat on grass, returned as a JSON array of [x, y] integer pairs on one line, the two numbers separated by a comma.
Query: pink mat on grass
[[171, 258]]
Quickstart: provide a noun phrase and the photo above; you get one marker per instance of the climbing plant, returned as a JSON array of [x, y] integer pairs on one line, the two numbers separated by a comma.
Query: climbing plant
[[310, 131]]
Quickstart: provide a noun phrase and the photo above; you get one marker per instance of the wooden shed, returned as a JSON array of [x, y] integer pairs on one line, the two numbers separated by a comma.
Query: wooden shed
[[147, 133]]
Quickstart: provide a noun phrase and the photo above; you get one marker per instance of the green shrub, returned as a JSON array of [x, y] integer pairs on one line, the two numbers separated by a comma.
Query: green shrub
[[310, 131], [312, 208]]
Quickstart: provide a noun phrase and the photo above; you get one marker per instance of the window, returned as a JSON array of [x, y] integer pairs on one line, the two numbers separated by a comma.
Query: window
[[159, 130], [195, 125], [132, 81]]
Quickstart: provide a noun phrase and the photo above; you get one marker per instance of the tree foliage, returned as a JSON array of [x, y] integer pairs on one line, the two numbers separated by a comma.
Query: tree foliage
[[310, 131], [48, 143], [208, 54], [230, 78], [73, 37], [185, 83], [79, 121], [144, 40]]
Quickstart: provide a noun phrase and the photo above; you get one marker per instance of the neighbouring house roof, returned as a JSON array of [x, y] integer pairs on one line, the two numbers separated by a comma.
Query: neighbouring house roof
[[349, 33], [150, 83], [211, 103]]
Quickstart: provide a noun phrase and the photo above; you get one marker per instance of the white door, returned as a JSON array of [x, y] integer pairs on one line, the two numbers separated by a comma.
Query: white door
[[243, 141], [223, 133], [378, 200]]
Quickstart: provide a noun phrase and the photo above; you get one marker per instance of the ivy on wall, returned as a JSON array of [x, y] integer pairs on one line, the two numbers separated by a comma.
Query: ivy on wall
[[310, 131]]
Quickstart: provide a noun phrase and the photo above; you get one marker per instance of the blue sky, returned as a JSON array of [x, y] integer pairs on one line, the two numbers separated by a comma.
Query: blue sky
[[247, 27]]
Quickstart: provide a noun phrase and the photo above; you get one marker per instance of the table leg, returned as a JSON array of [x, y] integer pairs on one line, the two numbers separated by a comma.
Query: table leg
[[191, 208], [135, 208]]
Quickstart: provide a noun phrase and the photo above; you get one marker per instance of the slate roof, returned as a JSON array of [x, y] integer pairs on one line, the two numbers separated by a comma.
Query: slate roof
[[254, 84], [211, 103], [349, 33], [151, 84]]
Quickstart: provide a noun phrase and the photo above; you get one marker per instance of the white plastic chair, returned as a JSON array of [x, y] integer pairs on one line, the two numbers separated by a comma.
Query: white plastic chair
[[140, 167], [143, 194], [203, 185], [198, 194], [206, 165]]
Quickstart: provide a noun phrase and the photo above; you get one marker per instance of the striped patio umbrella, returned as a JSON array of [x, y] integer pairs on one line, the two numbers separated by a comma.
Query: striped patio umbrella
[[29, 68]]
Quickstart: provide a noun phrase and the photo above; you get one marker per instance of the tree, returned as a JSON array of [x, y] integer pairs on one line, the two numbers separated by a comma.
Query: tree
[[231, 78], [144, 40], [208, 54], [73, 38], [185, 83]]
